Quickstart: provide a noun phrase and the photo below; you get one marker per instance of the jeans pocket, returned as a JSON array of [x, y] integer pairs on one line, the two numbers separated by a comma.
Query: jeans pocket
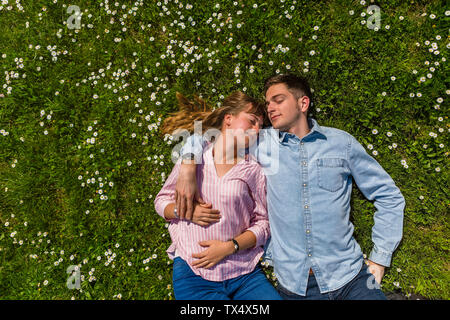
[[331, 172], [285, 292], [181, 269]]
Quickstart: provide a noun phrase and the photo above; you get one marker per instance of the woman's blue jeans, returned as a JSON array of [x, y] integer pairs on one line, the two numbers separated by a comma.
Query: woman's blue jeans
[[252, 286]]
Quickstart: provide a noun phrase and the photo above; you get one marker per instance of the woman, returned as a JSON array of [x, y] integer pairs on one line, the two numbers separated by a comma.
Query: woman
[[217, 256]]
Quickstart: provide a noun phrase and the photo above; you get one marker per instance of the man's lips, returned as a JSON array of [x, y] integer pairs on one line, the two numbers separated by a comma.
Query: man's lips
[[275, 117]]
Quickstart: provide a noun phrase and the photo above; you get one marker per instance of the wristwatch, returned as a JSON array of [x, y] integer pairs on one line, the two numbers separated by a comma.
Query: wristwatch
[[236, 245], [188, 156]]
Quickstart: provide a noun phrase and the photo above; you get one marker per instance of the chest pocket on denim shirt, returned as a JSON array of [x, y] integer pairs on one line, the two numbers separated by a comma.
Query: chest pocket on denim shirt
[[331, 173]]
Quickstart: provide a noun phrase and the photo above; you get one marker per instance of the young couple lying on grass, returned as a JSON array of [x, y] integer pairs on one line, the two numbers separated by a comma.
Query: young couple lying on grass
[[220, 200]]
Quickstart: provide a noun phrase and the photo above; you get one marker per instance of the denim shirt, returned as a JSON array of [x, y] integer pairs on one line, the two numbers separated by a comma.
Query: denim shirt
[[309, 185]]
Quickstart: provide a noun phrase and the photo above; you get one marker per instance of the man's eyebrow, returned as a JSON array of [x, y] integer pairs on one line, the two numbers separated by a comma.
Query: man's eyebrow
[[276, 96]]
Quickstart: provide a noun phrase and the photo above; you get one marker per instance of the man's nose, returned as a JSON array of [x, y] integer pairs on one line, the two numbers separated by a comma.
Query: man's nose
[[270, 108]]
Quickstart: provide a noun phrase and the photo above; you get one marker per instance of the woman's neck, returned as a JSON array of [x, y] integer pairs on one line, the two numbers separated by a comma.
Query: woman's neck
[[225, 150]]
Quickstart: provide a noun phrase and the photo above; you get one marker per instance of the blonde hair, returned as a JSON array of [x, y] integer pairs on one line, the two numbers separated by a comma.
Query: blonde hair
[[190, 111]]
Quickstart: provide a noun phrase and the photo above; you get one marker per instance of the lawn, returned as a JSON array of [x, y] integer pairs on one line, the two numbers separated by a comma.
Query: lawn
[[85, 86]]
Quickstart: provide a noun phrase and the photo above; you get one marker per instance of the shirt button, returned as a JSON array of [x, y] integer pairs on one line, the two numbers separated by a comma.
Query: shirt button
[[304, 184], [306, 207], [309, 254], [301, 143], [304, 163], [307, 231]]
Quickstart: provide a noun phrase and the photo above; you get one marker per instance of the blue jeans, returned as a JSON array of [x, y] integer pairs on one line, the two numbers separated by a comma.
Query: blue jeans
[[362, 287], [189, 286]]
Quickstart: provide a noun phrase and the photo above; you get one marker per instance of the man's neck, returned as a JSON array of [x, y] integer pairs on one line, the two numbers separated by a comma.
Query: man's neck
[[301, 128]]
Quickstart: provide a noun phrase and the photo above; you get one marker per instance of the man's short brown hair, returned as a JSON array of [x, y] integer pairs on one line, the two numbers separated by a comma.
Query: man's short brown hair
[[296, 85]]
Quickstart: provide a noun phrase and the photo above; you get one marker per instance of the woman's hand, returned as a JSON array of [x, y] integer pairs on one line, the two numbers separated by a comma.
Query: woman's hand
[[204, 215], [216, 252]]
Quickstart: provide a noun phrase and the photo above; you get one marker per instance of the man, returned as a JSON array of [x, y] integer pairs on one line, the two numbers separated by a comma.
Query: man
[[312, 247]]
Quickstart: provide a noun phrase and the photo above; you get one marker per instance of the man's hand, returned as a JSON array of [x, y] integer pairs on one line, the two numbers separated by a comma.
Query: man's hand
[[186, 191], [377, 270], [217, 250]]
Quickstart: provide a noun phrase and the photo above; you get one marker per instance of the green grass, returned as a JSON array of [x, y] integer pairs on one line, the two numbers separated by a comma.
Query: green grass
[[122, 87]]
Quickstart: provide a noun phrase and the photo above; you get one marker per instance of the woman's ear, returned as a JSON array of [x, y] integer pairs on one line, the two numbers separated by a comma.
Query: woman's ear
[[227, 119]]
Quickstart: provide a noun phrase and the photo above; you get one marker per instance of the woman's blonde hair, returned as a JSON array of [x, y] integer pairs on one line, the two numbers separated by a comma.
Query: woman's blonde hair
[[190, 111]]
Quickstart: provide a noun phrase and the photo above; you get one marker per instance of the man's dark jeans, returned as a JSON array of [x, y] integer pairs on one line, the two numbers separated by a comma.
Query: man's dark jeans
[[362, 287]]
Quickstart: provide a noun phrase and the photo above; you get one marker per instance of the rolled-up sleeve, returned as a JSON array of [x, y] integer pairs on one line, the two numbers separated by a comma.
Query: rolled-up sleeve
[[376, 184], [259, 223], [194, 144], [167, 193]]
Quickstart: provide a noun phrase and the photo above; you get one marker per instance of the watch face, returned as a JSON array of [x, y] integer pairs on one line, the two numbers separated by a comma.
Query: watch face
[[189, 156]]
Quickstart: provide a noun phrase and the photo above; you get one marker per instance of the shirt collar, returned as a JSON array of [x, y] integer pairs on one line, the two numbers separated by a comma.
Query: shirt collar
[[313, 125]]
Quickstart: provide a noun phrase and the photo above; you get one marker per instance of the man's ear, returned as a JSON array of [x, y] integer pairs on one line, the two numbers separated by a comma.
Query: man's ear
[[303, 103]]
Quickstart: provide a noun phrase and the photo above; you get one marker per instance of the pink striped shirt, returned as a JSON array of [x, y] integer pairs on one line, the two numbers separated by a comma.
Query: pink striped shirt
[[240, 196]]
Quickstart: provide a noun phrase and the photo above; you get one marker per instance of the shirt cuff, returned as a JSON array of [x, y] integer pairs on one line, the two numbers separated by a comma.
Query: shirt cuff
[[259, 234], [160, 206], [381, 257]]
